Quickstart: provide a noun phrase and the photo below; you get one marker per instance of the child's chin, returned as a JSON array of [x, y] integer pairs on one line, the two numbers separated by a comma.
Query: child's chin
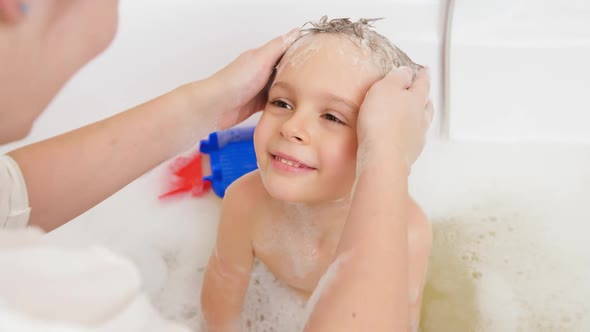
[[288, 195], [302, 196], [287, 191], [283, 189]]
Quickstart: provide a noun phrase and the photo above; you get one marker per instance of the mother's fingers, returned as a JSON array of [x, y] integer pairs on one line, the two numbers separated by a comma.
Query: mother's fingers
[[277, 46]]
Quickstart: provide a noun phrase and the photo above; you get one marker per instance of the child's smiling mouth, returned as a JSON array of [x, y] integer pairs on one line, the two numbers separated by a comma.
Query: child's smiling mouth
[[288, 163]]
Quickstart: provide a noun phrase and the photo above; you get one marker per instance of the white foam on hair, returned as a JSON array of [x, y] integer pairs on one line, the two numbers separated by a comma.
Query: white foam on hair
[[311, 44], [301, 51]]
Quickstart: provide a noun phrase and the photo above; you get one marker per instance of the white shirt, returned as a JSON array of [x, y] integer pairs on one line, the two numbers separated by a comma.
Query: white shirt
[[47, 287], [14, 199]]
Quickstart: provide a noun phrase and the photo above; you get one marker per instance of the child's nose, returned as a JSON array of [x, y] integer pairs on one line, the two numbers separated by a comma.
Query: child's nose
[[296, 129]]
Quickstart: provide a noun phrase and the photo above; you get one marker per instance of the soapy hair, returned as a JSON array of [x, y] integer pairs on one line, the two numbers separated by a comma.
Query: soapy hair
[[387, 55]]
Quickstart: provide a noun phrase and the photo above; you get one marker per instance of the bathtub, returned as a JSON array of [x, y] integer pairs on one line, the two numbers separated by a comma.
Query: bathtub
[[510, 252]]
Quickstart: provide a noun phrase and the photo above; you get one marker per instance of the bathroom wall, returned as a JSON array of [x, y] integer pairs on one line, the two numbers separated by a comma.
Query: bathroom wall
[[518, 71], [510, 250]]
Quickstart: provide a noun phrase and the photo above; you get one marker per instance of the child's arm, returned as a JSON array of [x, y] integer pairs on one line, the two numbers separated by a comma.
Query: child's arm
[[228, 271], [368, 289], [419, 245]]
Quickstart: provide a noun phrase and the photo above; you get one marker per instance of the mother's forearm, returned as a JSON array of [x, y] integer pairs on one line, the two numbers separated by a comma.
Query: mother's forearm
[[69, 174]]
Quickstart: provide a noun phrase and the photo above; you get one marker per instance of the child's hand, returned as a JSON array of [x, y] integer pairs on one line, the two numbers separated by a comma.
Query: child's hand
[[240, 86], [394, 118]]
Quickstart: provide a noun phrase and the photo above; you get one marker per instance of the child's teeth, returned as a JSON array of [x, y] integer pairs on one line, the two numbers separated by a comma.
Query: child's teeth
[[288, 162]]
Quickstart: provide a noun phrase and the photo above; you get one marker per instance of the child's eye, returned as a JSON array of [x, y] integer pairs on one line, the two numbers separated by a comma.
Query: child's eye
[[333, 118], [281, 104]]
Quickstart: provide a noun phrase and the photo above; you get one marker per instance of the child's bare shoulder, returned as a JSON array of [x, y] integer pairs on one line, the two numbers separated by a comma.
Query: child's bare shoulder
[[240, 206], [245, 191]]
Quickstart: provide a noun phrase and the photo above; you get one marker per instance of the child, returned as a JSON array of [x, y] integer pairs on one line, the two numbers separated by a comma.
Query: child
[[291, 211]]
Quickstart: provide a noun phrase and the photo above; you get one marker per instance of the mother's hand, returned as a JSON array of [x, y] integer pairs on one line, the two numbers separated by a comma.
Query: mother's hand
[[239, 88]]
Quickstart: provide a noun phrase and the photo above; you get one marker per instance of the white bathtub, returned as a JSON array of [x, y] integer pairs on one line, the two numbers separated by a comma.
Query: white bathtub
[[510, 250]]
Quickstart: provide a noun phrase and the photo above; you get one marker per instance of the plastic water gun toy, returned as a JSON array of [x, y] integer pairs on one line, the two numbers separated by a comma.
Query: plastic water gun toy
[[231, 155]]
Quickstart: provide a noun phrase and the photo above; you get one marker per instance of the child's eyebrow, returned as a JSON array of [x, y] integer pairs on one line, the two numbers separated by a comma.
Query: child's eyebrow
[[352, 107], [281, 84]]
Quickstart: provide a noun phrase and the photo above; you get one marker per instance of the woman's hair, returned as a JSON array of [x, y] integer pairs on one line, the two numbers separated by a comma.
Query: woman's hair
[[388, 56]]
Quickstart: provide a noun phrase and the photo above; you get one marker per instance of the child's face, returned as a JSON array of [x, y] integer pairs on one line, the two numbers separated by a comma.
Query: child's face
[[306, 139]]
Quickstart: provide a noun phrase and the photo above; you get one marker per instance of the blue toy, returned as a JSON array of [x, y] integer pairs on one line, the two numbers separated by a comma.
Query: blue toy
[[231, 154]]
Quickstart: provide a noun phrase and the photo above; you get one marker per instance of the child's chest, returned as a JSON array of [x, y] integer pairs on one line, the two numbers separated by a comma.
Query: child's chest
[[298, 256]]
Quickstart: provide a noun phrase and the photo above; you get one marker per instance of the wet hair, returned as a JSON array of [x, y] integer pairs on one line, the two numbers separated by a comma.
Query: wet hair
[[361, 33]]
